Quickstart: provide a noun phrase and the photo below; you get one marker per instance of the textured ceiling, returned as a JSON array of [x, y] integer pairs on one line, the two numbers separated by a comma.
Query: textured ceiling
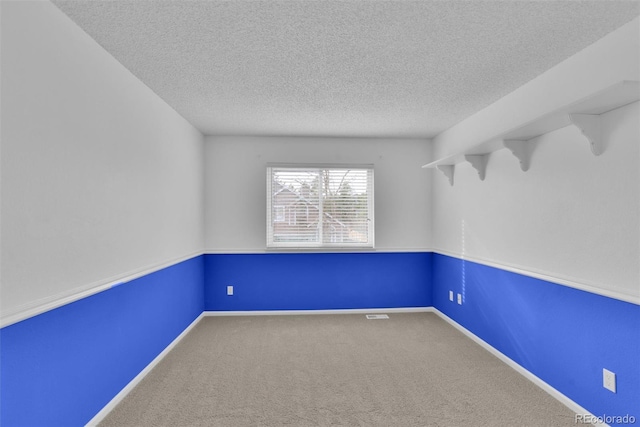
[[340, 68]]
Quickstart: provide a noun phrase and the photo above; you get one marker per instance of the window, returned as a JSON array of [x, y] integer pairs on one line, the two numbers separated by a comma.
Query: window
[[315, 207]]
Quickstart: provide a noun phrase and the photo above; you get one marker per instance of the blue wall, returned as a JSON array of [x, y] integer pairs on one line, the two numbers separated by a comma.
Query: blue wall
[[62, 367], [562, 335], [316, 281]]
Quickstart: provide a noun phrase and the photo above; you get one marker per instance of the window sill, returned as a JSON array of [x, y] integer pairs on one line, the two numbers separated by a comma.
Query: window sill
[[327, 249]]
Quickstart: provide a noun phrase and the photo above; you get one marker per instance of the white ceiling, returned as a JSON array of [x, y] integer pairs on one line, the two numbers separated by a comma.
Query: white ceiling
[[340, 68]]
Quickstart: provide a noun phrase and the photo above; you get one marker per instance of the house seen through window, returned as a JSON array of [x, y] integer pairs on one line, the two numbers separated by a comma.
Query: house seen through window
[[320, 207]]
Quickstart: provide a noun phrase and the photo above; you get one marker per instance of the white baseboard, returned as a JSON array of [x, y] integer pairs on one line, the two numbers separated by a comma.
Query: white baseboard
[[311, 312], [573, 406], [134, 382]]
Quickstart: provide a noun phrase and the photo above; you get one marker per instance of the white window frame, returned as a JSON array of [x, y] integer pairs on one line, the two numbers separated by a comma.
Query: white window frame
[[370, 244]]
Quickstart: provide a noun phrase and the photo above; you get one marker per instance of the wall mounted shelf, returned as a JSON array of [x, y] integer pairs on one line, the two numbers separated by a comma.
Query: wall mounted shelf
[[584, 114]]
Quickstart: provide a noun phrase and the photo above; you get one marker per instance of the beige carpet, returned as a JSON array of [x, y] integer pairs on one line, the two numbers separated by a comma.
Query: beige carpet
[[334, 370]]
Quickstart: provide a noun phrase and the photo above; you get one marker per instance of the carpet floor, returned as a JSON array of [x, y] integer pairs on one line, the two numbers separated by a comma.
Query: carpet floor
[[413, 369]]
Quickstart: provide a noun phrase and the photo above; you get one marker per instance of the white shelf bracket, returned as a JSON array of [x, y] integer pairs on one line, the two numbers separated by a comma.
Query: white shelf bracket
[[447, 170], [479, 162], [589, 125], [522, 150]]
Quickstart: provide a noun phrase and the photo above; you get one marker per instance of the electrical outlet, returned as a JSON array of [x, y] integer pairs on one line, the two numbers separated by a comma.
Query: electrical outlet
[[450, 295], [229, 290], [609, 380], [460, 299]]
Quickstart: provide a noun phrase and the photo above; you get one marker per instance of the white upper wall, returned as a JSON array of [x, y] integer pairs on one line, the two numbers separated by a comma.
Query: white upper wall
[[101, 179], [235, 187], [573, 218]]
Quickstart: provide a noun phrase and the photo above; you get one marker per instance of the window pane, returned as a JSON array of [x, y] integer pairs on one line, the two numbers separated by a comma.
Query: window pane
[[345, 200], [296, 191]]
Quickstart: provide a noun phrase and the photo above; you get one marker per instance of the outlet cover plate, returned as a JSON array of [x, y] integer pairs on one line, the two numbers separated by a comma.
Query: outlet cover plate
[[609, 380], [229, 290]]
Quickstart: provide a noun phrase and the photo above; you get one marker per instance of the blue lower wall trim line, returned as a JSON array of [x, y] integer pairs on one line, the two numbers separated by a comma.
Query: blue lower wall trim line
[[49, 303], [62, 367], [317, 281], [563, 336]]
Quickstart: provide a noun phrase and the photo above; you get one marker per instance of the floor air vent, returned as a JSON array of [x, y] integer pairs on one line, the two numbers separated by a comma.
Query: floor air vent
[[377, 316]]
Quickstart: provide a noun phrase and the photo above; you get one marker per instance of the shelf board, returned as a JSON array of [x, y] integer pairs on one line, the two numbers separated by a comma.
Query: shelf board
[[613, 97]]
